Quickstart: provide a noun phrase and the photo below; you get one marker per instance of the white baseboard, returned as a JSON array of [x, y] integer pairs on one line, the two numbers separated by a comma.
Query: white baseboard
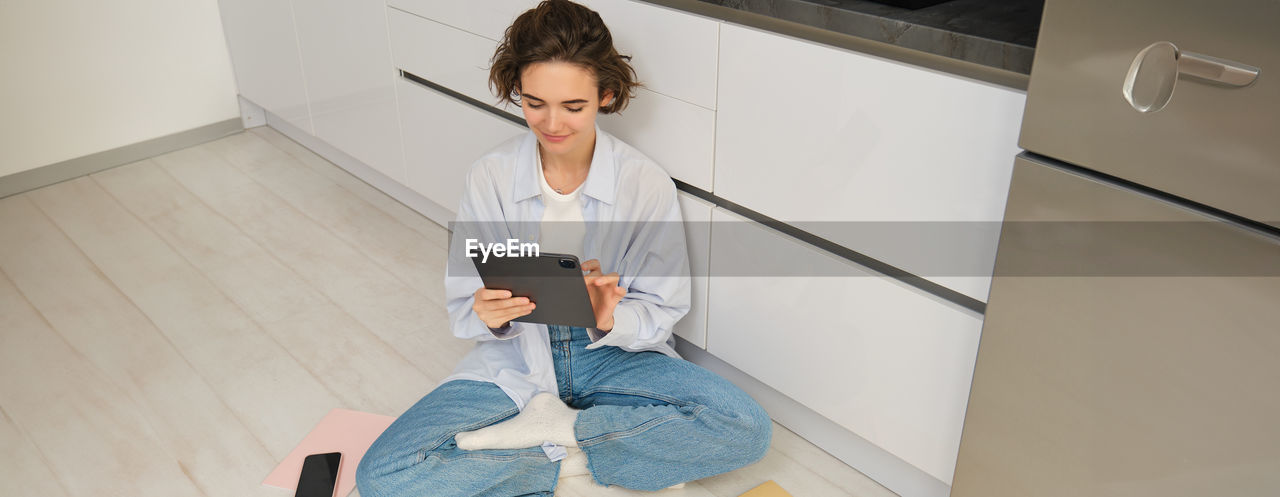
[[414, 200], [74, 168], [251, 115]]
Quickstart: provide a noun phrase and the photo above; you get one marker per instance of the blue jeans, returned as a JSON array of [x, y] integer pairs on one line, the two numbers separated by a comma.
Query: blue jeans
[[648, 421]]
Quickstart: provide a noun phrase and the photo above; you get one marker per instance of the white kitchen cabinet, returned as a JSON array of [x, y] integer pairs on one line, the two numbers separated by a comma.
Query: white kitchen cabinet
[[350, 80], [264, 54], [442, 138], [906, 165], [679, 136], [489, 18], [681, 63], [696, 214], [884, 360], [444, 55]]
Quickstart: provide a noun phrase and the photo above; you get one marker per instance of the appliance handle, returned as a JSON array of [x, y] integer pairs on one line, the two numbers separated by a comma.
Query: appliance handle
[[1214, 69], [1155, 70]]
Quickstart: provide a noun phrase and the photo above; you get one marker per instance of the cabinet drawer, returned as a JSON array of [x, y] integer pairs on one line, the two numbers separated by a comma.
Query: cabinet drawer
[[679, 136], [442, 138], [884, 360], [444, 55], [810, 133], [681, 63], [697, 233], [489, 18]]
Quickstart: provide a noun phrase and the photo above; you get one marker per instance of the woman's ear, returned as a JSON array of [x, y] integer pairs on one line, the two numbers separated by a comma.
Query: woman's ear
[[607, 98]]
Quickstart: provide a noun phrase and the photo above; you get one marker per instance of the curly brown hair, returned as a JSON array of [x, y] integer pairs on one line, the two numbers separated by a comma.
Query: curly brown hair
[[561, 31]]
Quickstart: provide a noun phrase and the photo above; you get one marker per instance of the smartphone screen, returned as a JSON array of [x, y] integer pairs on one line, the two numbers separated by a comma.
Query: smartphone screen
[[319, 475]]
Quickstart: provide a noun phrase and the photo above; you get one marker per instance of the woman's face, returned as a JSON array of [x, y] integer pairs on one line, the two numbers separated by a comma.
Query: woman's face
[[560, 104]]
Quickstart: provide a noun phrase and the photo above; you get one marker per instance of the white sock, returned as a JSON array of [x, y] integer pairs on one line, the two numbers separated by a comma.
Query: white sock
[[545, 419]]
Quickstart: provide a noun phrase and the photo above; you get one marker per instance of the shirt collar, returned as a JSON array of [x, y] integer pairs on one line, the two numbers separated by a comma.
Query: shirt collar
[[600, 178]]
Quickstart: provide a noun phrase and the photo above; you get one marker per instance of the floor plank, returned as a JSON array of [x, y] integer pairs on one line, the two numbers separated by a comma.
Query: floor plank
[[363, 371], [413, 324], [92, 435], [248, 369], [23, 468], [408, 255], [403, 214], [822, 465]]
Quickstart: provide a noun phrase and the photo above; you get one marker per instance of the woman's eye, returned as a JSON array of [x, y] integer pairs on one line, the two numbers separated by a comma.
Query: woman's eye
[[539, 106]]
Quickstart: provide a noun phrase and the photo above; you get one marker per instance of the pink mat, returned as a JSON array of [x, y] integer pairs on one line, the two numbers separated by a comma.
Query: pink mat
[[342, 430]]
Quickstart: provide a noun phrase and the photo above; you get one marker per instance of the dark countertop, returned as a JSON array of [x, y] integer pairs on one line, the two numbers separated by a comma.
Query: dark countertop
[[991, 40]]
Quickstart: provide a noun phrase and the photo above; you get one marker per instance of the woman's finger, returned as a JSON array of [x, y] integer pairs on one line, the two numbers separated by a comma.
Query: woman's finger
[[517, 312], [502, 317], [498, 305], [608, 279], [591, 265], [492, 294], [590, 278]]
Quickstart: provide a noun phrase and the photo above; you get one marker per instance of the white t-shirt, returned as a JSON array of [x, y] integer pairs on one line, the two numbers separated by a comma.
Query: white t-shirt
[[562, 227]]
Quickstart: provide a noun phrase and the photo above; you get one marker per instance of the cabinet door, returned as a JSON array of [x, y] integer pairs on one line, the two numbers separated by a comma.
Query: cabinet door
[[681, 63], [884, 360], [264, 53], [697, 234], [350, 80], [489, 18], [443, 137], [906, 165], [444, 55], [678, 135]]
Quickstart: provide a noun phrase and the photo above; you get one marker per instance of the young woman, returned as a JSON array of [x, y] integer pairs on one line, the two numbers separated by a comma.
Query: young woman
[[534, 403]]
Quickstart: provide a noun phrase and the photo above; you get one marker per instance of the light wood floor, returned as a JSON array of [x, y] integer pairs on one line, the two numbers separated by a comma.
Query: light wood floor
[[173, 327]]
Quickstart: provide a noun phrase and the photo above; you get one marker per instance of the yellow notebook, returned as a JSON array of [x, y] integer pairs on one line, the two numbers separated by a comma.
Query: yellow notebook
[[767, 489]]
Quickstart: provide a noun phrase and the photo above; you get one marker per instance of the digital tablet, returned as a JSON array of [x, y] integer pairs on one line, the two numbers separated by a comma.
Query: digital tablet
[[553, 282]]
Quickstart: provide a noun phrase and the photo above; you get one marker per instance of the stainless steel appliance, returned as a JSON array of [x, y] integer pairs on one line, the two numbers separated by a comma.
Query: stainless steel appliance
[[1132, 339]]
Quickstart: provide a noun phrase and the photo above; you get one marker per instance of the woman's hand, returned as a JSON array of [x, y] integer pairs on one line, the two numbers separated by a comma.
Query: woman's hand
[[497, 307], [604, 291]]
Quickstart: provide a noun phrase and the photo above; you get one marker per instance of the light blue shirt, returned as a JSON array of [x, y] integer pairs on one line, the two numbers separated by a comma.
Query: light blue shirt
[[633, 226]]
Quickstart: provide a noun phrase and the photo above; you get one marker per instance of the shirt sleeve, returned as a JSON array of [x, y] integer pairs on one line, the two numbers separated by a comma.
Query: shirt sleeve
[[655, 272], [479, 202]]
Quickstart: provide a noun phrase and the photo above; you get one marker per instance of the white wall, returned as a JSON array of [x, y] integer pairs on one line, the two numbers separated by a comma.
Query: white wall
[[79, 77]]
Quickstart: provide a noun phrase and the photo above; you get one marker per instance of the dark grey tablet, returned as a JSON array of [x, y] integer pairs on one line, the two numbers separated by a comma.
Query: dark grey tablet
[[551, 281]]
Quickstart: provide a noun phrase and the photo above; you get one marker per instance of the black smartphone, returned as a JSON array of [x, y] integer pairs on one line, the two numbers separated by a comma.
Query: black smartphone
[[319, 475]]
